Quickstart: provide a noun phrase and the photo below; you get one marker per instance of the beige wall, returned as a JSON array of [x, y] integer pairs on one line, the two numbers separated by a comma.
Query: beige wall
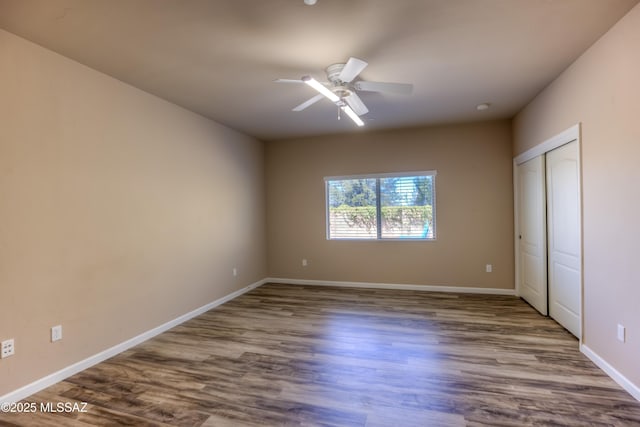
[[474, 193], [602, 91], [118, 211]]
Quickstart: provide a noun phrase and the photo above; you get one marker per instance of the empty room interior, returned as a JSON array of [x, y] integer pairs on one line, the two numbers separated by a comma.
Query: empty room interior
[[319, 212]]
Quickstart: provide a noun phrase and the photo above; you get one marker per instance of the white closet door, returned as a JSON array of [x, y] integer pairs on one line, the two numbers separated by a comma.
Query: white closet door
[[532, 234], [563, 225]]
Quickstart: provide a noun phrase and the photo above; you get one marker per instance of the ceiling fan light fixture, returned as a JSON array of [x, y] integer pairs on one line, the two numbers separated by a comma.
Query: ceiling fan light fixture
[[352, 115], [320, 88]]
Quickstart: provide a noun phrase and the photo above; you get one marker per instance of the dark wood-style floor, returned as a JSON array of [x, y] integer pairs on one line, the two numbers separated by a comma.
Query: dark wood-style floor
[[286, 355]]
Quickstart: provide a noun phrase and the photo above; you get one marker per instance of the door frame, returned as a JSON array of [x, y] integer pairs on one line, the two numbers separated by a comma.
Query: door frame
[[571, 134]]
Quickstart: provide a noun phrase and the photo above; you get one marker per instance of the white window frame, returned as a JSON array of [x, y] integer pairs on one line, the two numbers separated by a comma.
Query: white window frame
[[379, 176]]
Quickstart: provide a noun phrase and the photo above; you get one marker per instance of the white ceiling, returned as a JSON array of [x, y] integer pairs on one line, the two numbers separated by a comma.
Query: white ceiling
[[219, 57]]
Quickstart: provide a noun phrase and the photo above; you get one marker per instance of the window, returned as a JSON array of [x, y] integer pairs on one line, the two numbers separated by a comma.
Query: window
[[388, 206]]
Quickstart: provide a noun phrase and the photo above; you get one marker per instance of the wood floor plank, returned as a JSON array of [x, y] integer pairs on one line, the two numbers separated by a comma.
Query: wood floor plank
[[286, 355]]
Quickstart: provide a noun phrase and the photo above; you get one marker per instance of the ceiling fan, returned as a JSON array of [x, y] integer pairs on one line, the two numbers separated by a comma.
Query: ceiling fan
[[342, 86]]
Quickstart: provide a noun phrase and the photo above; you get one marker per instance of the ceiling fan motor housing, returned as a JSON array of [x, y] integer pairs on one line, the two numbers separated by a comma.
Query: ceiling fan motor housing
[[340, 88], [341, 91], [333, 74]]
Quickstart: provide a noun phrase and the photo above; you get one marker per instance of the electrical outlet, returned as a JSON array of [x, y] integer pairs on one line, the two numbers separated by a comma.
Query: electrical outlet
[[489, 268], [235, 272], [304, 262], [7, 348], [621, 333], [56, 333]]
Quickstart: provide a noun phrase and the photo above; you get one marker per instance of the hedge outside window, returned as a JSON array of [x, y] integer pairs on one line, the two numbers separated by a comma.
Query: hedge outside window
[[378, 207]]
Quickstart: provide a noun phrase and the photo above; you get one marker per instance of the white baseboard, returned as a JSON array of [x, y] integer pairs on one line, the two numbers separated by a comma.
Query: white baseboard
[[399, 286], [60, 375], [622, 381]]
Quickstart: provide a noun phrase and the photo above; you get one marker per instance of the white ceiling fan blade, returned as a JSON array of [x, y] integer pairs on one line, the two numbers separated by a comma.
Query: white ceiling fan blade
[[398, 88], [308, 102], [352, 68], [356, 104], [298, 81], [288, 81]]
